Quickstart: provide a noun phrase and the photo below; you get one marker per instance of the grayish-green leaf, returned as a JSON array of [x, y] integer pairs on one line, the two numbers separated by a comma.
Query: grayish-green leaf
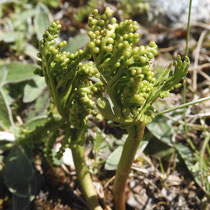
[[31, 51], [6, 119], [20, 203], [105, 106], [36, 121], [191, 162], [42, 20], [34, 89], [10, 100], [114, 158], [39, 121], [161, 129], [18, 72], [20, 18], [39, 108], [23, 203], [77, 42], [9, 36], [18, 172], [8, 1], [3, 76]]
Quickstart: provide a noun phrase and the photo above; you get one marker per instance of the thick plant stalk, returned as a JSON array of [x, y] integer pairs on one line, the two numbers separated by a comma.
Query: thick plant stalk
[[84, 178], [135, 134]]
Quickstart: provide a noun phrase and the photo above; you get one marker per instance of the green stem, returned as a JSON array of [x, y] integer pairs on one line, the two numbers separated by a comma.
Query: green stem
[[84, 178], [184, 105], [135, 134], [186, 54], [188, 28]]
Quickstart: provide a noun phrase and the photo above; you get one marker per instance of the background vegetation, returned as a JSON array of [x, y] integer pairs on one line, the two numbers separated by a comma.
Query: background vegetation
[[172, 166]]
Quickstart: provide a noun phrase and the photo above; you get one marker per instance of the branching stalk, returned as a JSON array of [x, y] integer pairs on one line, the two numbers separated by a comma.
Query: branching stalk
[[126, 77], [84, 178], [135, 134]]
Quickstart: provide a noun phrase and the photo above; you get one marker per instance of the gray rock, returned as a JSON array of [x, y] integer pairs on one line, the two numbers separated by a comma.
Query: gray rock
[[176, 11]]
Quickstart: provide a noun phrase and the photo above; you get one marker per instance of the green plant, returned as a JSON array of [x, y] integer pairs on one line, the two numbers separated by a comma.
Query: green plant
[[125, 73], [132, 7], [23, 22], [83, 11], [73, 92], [122, 82], [19, 174], [129, 82]]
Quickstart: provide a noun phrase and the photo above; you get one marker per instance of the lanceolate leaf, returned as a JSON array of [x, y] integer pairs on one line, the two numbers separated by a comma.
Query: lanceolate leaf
[[42, 20], [36, 121], [34, 89], [24, 202], [18, 172], [161, 129], [31, 51], [77, 42], [17, 72], [20, 18], [114, 157], [10, 36], [192, 163], [6, 120], [3, 76], [20, 203]]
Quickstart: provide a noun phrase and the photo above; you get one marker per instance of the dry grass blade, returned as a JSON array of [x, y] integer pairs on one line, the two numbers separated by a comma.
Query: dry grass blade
[[197, 53]]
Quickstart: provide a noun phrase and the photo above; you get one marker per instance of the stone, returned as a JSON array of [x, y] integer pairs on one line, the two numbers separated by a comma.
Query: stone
[[171, 12]]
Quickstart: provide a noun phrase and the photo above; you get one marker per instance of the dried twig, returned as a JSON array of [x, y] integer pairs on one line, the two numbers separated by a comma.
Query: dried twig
[[197, 53]]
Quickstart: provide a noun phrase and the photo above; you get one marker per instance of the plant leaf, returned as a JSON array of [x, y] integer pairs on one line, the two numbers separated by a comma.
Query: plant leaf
[[9, 36], [34, 89], [114, 158], [39, 107], [104, 106], [191, 162], [18, 72], [161, 129], [20, 203], [42, 20], [19, 19], [166, 82], [18, 172], [77, 42], [23, 203], [7, 1], [3, 76], [6, 120], [36, 121], [31, 51]]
